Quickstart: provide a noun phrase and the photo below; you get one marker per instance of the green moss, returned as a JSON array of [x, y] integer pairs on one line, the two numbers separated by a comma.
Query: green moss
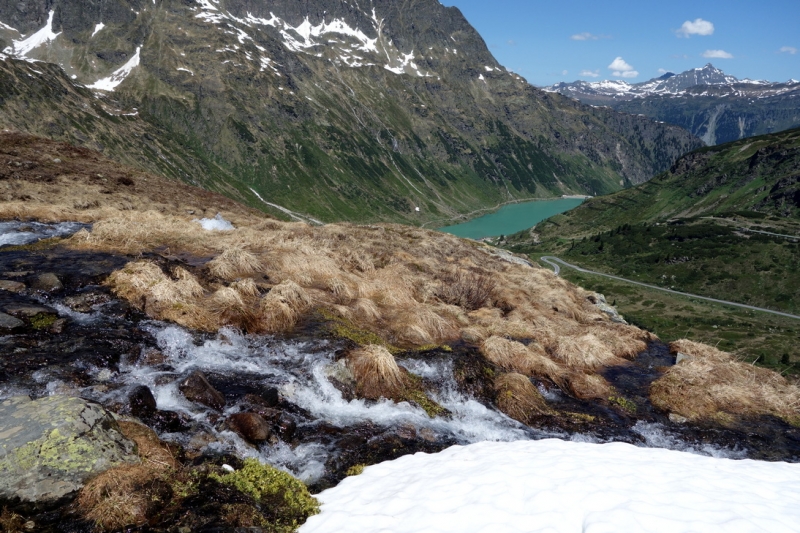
[[624, 403], [43, 320], [415, 393], [345, 329], [286, 498], [44, 244], [355, 470]]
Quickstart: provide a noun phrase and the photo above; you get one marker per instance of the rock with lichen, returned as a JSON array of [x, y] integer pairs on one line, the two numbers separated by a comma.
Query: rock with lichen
[[51, 446]]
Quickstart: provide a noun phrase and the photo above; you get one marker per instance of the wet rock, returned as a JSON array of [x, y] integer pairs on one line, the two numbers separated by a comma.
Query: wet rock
[[196, 388], [22, 310], [83, 303], [47, 282], [141, 402], [167, 422], [57, 326], [250, 426], [286, 427], [9, 323], [51, 446], [12, 286], [270, 398], [153, 357], [677, 419]]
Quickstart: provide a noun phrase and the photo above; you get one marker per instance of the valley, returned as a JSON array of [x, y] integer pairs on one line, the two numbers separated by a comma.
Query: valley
[[224, 305], [723, 223]]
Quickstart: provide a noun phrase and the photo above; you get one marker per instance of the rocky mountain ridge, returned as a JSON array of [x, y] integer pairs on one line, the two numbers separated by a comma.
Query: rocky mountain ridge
[[371, 109], [715, 106]]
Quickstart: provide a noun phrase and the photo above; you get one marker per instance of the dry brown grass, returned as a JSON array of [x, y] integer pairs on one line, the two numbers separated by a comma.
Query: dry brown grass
[[587, 386], [711, 384], [585, 352], [376, 372], [513, 356], [233, 263], [518, 397], [123, 496]]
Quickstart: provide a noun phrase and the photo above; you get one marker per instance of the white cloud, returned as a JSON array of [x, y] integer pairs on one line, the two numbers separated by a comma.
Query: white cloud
[[662, 71], [511, 42], [698, 27], [622, 69], [788, 50], [564, 72], [590, 73], [586, 36], [717, 54]]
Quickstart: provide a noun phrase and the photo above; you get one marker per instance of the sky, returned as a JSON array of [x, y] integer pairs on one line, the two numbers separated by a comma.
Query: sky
[[566, 40]]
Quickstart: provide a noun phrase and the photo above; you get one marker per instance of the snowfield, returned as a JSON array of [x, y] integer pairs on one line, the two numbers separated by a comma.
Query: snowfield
[[558, 486]]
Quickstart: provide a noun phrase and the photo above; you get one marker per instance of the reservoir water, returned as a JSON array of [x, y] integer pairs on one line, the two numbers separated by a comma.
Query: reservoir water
[[512, 218]]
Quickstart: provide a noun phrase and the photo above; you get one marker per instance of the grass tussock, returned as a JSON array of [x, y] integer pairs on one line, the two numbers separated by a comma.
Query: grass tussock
[[513, 356], [233, 263], [587, 386], [585, 352], [127, 495], [712, 384], [518, 397], [376, 373]]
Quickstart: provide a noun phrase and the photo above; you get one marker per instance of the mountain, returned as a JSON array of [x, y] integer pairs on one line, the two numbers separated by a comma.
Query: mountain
[[341, 110], [715, 106]]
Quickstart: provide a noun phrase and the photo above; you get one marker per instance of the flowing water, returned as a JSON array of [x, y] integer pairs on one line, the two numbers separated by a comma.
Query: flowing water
[[512, 218], [109, 350]]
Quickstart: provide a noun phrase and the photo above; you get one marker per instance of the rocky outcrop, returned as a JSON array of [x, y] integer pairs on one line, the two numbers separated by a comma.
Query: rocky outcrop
[[51, 446]]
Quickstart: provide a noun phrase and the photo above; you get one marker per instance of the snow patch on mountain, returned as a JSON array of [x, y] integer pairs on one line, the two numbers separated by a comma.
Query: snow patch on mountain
[[351, 46], [118, 76], [23, 47]]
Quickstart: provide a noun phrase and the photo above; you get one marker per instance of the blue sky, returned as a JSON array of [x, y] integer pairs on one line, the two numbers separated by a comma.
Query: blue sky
[[565, 40]]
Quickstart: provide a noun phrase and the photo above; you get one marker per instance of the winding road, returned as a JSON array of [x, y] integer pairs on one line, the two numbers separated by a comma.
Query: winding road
[[555, 261]]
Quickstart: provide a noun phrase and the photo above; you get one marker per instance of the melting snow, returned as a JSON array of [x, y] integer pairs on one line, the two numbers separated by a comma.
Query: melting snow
[[557, 486], [215, 224], [97, 28], [118, 76], [181, 69], [22, 47]]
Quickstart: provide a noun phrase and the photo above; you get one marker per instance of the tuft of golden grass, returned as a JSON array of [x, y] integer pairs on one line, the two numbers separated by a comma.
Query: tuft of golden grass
[[518, 397], [119, 496], [513, 356], [281, 308], [585, 352], [234, 263], [711, 384], [587, 386], [376, 372]]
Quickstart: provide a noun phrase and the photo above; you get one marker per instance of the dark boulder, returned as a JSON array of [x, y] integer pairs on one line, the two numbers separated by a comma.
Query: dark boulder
[[196, 388], [250, 426]]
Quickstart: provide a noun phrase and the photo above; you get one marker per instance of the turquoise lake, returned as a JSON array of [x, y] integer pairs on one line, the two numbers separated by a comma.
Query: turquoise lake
[[512, 218]]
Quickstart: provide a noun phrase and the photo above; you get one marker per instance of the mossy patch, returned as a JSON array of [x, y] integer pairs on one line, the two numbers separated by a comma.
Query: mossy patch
[[345, 329], [626, 404], [44, 244], [286, 498], [356, 470], [43, 320]]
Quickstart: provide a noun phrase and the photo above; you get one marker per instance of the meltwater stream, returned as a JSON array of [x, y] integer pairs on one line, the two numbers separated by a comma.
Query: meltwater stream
[[103, 350]]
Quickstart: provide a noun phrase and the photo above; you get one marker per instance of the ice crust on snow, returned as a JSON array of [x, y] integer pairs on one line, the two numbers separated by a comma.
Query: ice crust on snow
[[556, 486], [23, 47], [118, 76], [215, 224]]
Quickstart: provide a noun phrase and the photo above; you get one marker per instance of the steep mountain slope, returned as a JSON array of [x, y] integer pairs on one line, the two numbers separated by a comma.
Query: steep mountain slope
[[715, 106], [343, 110]]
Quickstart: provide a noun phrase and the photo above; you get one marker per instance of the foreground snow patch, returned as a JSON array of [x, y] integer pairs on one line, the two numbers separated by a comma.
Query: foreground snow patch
[[558, 486], [215, 224]]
